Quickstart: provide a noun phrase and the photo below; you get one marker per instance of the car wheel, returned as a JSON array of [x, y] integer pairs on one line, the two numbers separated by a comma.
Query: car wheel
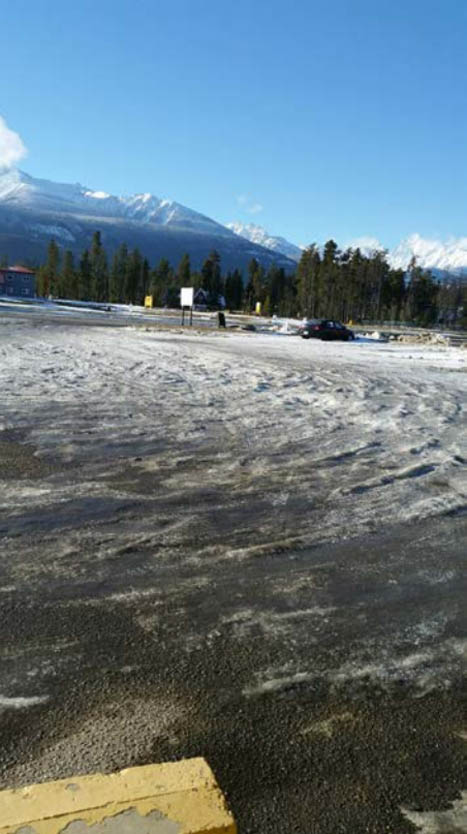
[[305, 335]]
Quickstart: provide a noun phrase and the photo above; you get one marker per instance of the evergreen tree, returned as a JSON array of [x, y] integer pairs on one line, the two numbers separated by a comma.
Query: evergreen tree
[[145, 279], [393, 293], [84, 278], [288, 305], [421, 297], [172, 294], [41, 282], [50, 274], [276, 282], [330, 274], [308, 283], [161, 278], [256, 289], [99, 274], [452, 301], [118, 275], [133, 277], [259, 285], [249, 289], [196, 279], [234, 290], [228, 291], [211, 277], [184, 272], [343, 302], [68, 278], [237, 289], [355, 284], [377, 277]]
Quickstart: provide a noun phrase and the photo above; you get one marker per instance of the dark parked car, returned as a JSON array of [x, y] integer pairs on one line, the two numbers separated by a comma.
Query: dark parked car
[[326, 329]]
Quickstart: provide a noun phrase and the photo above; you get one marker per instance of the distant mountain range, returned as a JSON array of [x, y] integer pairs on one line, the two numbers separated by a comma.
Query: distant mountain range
[[256, 234], [450, 257], [432, 254], [34, 210]]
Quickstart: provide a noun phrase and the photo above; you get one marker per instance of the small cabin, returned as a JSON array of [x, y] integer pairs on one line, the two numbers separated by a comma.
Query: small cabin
[[201, 301]]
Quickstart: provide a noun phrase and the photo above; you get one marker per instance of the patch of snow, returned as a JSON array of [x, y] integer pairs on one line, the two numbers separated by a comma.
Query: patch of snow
[[97, 195], [277, 684], [21, 703], [375, 335], [440, 822], [53, 231]]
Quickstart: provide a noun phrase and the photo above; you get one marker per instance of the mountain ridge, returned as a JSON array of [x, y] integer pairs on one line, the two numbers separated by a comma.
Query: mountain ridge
[[19, 188], [258, 234], [33, 210], [441, 257]]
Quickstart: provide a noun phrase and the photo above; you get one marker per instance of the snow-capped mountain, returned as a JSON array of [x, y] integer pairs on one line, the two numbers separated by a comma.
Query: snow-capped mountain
[[34, 210], [259, 235], [431, 254], [449, 257], [19, 189]]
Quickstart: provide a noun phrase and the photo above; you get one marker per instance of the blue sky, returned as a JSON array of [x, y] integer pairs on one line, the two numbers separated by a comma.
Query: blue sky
[[315, 119]]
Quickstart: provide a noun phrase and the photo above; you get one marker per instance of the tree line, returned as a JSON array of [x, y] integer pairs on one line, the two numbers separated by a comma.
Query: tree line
[[344, 285]]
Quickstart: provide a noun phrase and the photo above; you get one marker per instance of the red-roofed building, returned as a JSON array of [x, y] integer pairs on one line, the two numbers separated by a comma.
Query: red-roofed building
[[17, 281]]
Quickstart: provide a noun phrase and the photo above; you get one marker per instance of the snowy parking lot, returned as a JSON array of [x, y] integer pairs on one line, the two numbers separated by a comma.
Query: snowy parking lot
[[221, 542], [335, 437]]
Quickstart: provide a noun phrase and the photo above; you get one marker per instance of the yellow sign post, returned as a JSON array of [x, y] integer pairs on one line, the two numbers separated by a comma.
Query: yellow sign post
[[148, 301]]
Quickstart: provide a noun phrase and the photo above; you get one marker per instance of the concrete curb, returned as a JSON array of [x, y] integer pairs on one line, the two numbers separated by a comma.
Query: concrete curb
[[173, 798]]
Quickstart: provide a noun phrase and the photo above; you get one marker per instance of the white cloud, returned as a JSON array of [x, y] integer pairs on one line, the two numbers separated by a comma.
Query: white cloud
[[255, 208], [12, 148], [248, 204]]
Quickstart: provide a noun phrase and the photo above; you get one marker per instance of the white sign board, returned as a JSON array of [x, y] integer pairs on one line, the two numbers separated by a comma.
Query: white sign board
[[186, 297]]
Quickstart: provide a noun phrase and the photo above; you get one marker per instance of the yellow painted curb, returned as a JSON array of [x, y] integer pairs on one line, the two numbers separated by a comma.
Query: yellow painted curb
[[173, 798]]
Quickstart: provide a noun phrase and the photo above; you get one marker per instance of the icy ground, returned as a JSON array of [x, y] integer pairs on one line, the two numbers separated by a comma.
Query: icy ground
[[322, 440], [243, 546]]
